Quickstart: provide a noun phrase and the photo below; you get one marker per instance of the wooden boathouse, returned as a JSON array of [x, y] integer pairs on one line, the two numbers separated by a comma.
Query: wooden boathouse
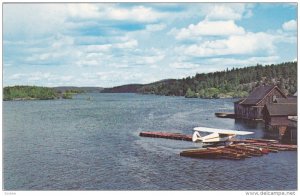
[[252, 106], [281, 117], [278, 114], [270, 104]]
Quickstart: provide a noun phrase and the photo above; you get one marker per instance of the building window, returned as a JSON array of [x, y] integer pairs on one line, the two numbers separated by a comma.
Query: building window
[[274, 98]]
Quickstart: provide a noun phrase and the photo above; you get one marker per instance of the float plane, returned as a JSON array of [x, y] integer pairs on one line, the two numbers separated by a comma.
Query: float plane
[[217, 135]]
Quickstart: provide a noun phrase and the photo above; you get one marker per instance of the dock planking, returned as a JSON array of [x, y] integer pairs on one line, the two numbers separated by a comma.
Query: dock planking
[[239, 150]]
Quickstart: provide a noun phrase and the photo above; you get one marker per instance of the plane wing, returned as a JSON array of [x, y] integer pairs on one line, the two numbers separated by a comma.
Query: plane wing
[[222, 131]]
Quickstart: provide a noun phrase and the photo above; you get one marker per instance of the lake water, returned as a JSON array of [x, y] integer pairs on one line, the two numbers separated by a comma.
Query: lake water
[[83, 144]]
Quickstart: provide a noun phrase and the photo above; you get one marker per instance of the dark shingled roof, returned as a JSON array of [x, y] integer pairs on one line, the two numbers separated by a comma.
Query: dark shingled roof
[[279, 109], [291, 100], [239, 101], [258, 94]]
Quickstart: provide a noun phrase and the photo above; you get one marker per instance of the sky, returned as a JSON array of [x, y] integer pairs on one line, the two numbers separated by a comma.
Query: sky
[[111, 44]]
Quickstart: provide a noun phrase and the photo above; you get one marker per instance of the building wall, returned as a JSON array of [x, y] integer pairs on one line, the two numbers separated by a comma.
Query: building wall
[[276, 120], [293, 132], [266, 117], [259, 113], [238, 110], [279, 120], [248, 112]]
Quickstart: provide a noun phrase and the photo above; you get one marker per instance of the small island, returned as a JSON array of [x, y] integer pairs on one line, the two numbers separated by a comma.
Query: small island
[[14, 93]]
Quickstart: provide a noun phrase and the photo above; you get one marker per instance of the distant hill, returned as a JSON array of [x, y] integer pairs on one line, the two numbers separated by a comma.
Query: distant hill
[[80, 89], [135, 88], [129, 88]]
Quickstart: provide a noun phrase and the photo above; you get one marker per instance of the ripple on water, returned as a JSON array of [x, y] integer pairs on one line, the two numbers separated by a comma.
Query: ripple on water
[[94, 145]]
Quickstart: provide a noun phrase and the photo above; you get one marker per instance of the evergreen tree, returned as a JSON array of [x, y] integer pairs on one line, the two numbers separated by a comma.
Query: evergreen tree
[[230, 82]]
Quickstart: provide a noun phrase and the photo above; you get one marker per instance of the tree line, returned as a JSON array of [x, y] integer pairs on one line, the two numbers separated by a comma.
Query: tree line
[[28, 92], [236, 82]]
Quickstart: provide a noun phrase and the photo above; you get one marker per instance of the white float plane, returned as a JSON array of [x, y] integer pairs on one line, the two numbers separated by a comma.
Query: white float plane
[[216, 136]]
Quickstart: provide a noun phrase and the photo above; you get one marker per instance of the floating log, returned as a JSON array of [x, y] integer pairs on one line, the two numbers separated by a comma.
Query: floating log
[[211, 154], [288, 146], [252, 152], [271, 149], [234, 152], [201, 153], [276, 147], [272, 144], [247, 141], [255, 141], [174, 136], [264, 150], [263, 140]]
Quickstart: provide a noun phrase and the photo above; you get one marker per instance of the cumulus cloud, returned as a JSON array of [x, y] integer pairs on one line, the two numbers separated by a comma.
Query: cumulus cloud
[[23, 21], [138, 13], [249, 43], [290, 25], [83, 10], [17, 76], [113, 12], [84, 63], [34, 20], [227, 11], [149, 60], [155, 27], [35, 76], [210, 28], [106, 44], [41, 78], [236, 62], [209, 65], [64, 50], [127, 45], [97, 48], [183, 65]]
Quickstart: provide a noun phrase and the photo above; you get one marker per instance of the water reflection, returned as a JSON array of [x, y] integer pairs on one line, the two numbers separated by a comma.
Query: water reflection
[[94, 144], [251, 124]]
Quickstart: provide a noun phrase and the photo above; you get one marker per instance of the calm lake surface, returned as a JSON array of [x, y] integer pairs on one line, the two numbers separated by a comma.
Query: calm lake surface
[[94, 144]]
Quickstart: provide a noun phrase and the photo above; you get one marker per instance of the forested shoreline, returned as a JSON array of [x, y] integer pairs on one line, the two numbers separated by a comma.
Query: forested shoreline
[[233, 83]]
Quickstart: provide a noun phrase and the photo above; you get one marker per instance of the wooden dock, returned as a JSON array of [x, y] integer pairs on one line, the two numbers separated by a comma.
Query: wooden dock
[[240, 149]]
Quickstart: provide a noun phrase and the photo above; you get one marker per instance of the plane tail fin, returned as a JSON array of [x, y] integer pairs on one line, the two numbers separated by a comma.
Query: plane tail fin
[[196, 137]]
